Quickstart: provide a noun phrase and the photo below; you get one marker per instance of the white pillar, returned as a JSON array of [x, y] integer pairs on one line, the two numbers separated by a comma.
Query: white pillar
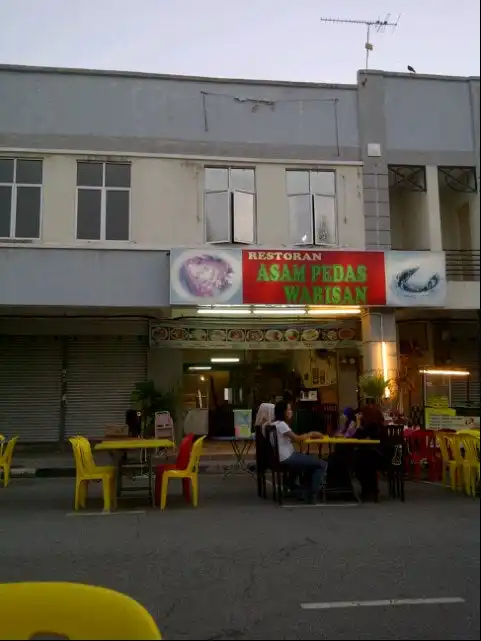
[[379, 343], [474, 222], [433, 210]]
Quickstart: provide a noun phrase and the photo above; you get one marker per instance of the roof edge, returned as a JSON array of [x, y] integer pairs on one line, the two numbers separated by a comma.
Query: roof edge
[[158, 76]]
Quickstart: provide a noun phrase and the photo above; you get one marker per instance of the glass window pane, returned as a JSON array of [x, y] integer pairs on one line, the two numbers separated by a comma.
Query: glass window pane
[[89, 174], [323, 182], [5, 209], [117, 174], [27, 219], [217, 217], [297, 182], [300, 220], [242, 179], [325, 220], [29, 172], [88, 214], [6, 170], [117, 215], [216, 179], [244, 217]]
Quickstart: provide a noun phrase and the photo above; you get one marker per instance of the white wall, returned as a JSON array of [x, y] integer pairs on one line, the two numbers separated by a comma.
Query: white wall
[[409, 229], [455, 219], [416, 216], [463, 295], [167, 203]]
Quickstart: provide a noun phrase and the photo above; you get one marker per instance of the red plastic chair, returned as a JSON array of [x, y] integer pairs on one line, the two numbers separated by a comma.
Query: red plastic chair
[[422, 448], [181, 463]]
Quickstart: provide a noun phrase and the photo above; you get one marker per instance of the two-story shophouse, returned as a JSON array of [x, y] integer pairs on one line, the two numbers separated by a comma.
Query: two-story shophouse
[[229, 238]]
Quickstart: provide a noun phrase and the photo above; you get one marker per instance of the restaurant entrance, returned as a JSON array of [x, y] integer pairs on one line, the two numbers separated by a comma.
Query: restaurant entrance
[[236, 365]]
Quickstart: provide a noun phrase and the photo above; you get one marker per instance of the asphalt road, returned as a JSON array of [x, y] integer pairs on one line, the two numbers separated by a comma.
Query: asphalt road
[[240, 568]]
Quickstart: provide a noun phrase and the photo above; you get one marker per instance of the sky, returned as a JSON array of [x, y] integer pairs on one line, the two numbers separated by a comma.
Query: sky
[[263, 39]]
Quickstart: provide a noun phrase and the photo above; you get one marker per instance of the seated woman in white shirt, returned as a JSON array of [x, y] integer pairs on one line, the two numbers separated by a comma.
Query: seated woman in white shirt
[[315, 468]]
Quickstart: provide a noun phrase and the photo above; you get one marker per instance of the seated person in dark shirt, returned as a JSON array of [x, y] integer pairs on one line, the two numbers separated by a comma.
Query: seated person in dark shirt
[[368, 460]]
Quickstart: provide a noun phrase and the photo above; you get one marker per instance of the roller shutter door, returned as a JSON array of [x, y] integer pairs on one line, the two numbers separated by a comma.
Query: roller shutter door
[[101, 373], [30, 387]]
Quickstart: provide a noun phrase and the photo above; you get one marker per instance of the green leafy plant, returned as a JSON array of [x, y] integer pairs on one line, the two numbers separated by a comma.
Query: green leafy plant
[[374, 385], [148, 400]]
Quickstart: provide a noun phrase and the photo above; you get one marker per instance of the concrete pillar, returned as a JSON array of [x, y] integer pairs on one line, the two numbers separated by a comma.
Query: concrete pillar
[[474, 204], [372, 131], [474, 225], [379, 343], [433, 210]]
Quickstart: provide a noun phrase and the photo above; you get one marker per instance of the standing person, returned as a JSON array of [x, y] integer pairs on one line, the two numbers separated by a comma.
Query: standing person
[[315, 468]]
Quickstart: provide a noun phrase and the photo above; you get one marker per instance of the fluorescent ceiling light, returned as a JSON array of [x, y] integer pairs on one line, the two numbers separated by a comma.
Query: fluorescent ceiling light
[[223, 311], [200, 368], [334, 311], [224, 360], [444, 372], [279, 311]]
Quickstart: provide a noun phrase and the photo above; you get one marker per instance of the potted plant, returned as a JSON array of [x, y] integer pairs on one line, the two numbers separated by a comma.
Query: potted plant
[[373, 387], [148, 400]]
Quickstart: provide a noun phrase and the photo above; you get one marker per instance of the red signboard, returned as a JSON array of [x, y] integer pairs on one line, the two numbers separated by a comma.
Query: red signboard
[[273, 277]]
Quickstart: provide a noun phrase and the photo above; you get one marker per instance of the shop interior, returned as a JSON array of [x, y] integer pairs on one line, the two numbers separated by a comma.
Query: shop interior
[[216, 383]]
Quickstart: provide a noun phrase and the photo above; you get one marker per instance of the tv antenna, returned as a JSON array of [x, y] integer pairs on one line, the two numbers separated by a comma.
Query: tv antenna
[[378, 25]]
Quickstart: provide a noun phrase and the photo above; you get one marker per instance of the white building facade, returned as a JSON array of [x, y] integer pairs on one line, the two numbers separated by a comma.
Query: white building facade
[[103, 174]]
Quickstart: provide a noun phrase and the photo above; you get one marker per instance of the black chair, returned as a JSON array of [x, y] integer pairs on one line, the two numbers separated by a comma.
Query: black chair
[[393, 445], [261, 462], [272, 462]]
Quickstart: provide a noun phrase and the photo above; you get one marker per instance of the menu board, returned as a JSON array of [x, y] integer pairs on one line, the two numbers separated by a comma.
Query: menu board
[[445, 418], [436, 418], [243, 423]]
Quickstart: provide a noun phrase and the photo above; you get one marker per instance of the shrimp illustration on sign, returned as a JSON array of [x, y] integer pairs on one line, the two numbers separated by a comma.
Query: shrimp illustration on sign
[[405, 283], [415, 280]]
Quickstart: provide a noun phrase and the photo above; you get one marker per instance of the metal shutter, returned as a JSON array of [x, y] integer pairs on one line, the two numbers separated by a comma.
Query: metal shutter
[[30, 387], [464, 352], [101, 373], [465, 392]]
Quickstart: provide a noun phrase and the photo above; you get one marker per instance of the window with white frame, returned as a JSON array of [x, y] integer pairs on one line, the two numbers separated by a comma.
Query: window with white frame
[[20, 197], [103, 200], [229, 205], [312, 207]]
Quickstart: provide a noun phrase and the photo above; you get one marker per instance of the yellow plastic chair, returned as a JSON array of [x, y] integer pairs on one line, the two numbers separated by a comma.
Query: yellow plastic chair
[[471, 462], [451, 463], [472, 431], [87, 470], [191, 473], [73, 611], [455, 443], [6, 460], [446, 460]]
